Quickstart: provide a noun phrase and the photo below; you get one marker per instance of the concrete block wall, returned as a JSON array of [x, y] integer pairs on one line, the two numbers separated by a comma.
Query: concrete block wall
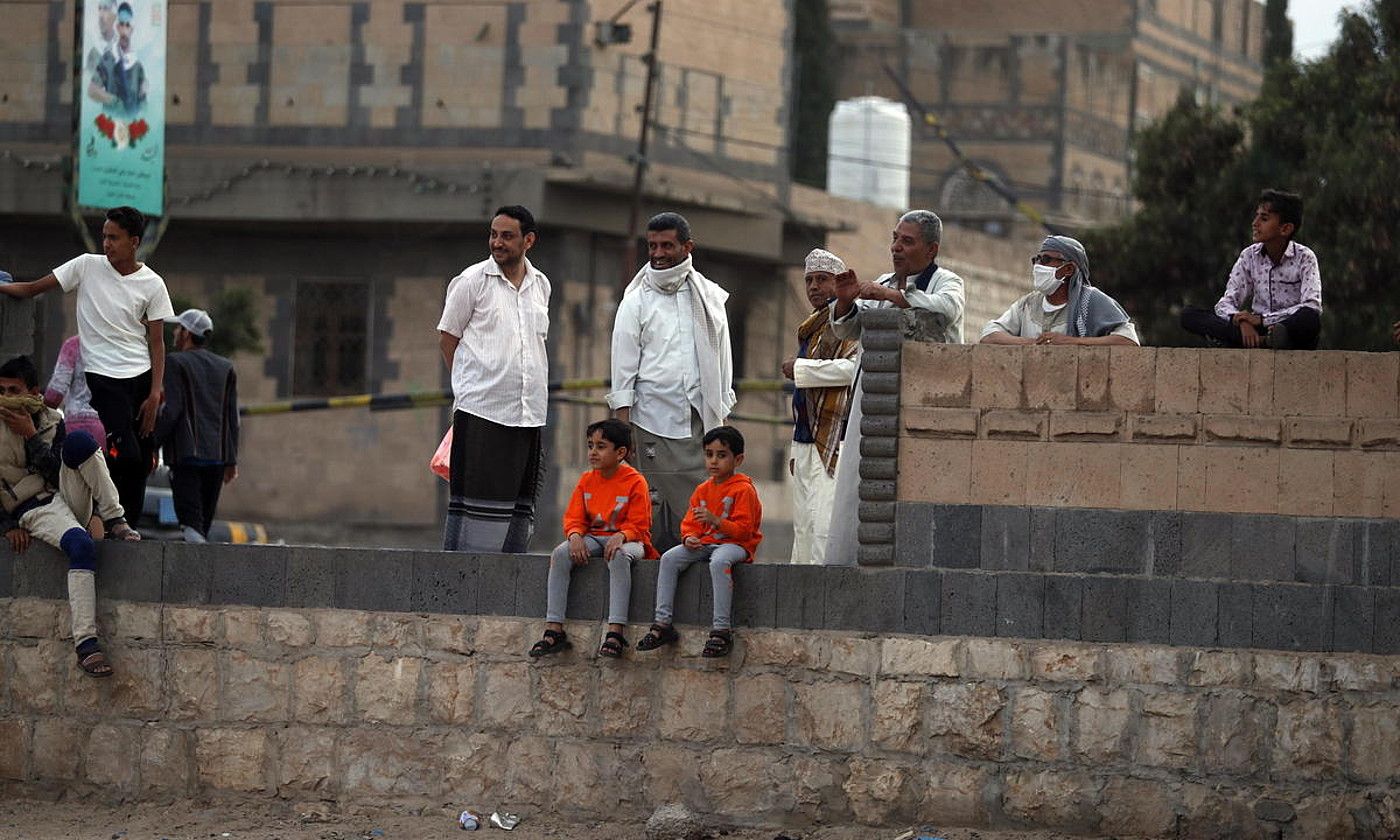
[[418, 708]]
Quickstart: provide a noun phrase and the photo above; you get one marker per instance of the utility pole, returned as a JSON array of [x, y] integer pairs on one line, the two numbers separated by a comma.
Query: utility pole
[[634, 221]]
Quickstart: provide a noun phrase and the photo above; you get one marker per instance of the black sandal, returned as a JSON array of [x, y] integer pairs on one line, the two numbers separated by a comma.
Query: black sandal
[[554, 641], [613, 645], [719, 644], [658, 635]]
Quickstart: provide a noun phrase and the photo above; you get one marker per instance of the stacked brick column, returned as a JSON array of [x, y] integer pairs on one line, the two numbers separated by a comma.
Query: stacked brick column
[[881, 341]]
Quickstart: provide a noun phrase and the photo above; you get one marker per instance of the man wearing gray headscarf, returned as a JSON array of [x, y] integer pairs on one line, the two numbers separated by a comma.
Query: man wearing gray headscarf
[[931, 298], [1062, 308], [823, 372]]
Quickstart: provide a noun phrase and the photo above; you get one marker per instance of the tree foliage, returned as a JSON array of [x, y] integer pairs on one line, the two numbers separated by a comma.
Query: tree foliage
[[814, 91], [1328, 129], [235, 317]]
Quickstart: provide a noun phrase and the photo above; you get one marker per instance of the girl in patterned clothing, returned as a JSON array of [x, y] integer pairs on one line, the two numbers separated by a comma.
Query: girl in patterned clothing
[[609, 516]]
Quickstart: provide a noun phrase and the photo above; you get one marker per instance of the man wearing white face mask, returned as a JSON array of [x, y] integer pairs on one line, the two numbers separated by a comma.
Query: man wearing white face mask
[[1063, 308]]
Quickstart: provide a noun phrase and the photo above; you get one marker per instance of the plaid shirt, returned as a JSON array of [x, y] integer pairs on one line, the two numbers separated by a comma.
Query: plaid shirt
[[1273, 291]]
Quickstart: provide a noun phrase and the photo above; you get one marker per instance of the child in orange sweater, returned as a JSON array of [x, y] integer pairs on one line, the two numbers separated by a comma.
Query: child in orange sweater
[[609, 516], [721, 527]]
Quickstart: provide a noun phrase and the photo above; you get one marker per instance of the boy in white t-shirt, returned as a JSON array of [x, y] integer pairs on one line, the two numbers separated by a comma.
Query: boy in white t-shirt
[[121, 309]]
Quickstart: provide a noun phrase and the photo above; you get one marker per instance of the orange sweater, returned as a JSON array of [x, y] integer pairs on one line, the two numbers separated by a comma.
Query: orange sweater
[[740, 513], [601, 507]]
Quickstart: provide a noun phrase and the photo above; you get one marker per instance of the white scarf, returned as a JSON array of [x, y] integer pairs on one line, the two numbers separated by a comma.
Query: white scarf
[[711, 332]]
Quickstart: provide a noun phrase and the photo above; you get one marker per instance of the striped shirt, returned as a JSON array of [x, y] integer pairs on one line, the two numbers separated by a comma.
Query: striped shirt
[[500, 371], [1272, 291]]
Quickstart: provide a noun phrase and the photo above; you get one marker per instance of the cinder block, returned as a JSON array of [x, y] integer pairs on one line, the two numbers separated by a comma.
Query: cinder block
[[443, 582], [7, 563], [1292, 617], [1178, 380], [310, 578], [532, 583], [923, 421], [1132, 378], [1000, 471], [495, 594], [969, 604], [996, 376], [1042, 547], [1164, 539], [188, 574], [1387, 633], [1020, 605], [923, 600], [40, 572], [1310, 384], [935, 470], [1390, 486], [377, 580], [642, 606], [1242, 479], [956, 536], [756, 594], [1085, 425], [1305, 482], [1378, 556], [1383, 434], [1163, 428], [1353, 619], [254, 576], [1191, 466], [913, 534], [1262, 548], [1102, 541], [1075, 475], [1235, 619], [1006, 536], [1092, 390], [1105, 609], [1050, 377], [1064, 604], [1205, 546], [1149, 610], [1224, 381], [1358, 484], [802, 597], [1332, 432], [938, 374], [1261, 383], [1194, 608], [132, 571], [861, 599], [1325, 550], [1149, 476], [1371, 384], [1240, 428], [1014, 424]]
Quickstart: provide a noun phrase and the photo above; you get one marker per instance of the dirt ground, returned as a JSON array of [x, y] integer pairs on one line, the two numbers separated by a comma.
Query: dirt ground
[[34, 820]]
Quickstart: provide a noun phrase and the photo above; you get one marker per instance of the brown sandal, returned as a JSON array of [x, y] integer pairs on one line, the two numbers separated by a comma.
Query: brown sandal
[[124, 532], [95, 664]]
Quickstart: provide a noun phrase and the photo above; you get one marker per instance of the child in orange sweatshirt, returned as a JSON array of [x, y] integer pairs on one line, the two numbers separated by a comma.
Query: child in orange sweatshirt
[[721, 527], [609, 516]]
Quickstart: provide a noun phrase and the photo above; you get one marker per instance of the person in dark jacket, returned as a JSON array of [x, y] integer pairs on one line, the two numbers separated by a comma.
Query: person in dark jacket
[[198, 425]]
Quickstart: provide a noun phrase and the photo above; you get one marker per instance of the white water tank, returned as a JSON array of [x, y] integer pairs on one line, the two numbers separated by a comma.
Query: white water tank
[[868, 151]]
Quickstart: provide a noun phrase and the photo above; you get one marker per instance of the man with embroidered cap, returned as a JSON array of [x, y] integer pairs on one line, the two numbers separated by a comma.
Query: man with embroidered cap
[[824, 373], [198, 424], [1062, 307], [932, 300], [672, 370]]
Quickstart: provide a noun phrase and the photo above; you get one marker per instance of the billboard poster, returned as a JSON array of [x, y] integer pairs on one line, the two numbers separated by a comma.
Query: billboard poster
[[120, 156]]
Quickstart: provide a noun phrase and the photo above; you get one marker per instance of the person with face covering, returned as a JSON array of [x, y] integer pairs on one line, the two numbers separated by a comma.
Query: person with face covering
[[1062, 308]]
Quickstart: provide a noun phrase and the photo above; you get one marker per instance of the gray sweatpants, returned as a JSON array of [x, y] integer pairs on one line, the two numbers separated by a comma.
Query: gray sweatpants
[[721, 558], [561, 568]]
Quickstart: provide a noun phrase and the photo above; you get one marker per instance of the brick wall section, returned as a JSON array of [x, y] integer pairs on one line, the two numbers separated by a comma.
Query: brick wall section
[[1306, 434], [794, 729]]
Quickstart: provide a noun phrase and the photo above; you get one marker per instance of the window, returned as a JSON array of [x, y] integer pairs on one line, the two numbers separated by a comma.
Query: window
[[330, 340]]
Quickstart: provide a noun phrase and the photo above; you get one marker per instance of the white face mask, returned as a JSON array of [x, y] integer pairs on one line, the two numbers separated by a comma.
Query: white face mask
[[1044, 279]]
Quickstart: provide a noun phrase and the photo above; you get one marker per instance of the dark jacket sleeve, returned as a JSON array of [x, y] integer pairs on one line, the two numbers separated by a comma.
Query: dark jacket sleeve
[[231, 409]]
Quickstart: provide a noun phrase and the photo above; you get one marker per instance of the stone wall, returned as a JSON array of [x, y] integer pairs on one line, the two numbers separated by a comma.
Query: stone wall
[[796, 728]]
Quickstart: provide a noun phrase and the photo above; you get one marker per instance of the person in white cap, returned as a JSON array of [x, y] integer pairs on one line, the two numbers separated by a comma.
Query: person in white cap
[[824, 373], [198, 425]]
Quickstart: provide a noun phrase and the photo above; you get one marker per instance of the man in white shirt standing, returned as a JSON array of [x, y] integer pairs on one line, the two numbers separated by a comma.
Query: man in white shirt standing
[[492, 334], [933, 301], [121, 310], [672, 370]]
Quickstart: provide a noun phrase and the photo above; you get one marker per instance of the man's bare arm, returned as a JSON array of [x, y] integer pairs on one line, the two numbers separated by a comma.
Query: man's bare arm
[[448, 342], [32, 288]]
